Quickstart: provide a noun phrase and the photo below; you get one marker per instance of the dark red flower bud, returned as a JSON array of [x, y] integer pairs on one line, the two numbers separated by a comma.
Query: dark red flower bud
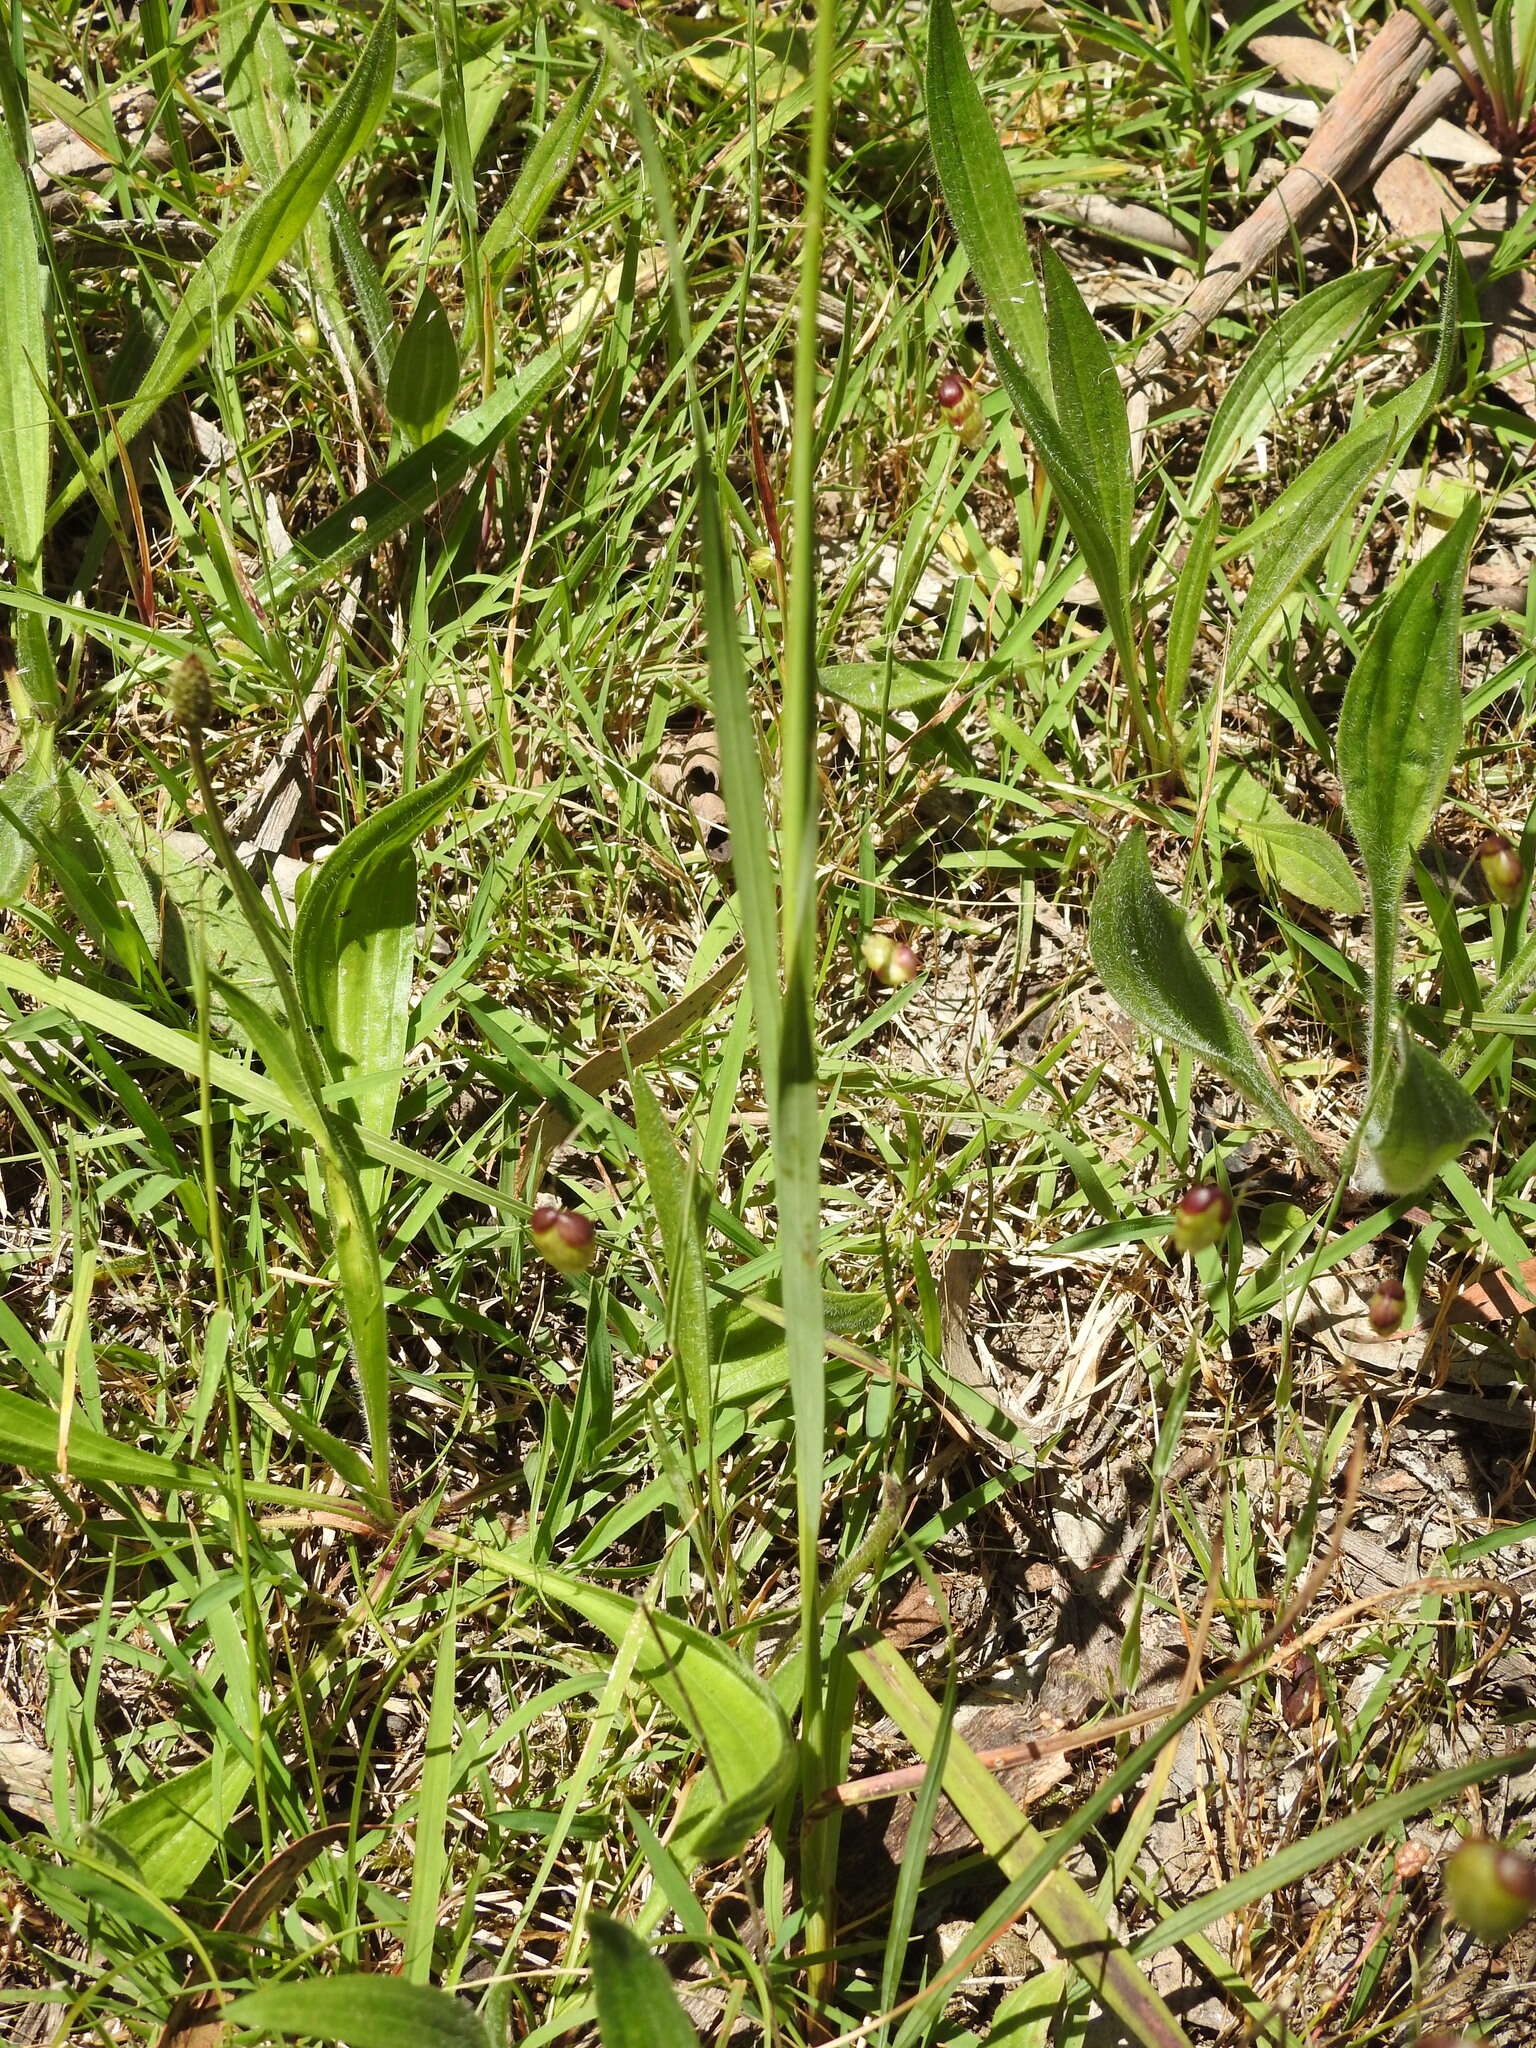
[[564, 1237], [1387, 1307], [1200, 1217], [1501, 868], [957, 402], [1301, 1692], [1489, 1890]]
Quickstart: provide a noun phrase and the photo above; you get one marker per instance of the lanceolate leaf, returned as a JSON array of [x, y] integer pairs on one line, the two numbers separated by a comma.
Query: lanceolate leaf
[[173, 1829], [1145, 960], [354, 942], [509, 237], [732, 1716], [1424, 1119], [30, 1437], [23, 369], [1326, 494], [1399, 730], [1278, 366], [1301, 859], [636, 2004], [424, 377], [980, 195], [249, 251], [1089, 404], [362, 2011]]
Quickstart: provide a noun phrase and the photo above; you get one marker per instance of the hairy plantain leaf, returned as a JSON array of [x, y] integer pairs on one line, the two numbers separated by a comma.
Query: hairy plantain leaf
[[1398, 733], [636, 2004], [1145, 960], [1423, 1119]]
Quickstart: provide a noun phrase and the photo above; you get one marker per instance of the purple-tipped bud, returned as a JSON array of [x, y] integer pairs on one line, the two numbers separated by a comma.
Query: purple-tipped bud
[[1489, 1890], [891, 961], [1501, 868], [1387, 1306], [563, 1237], [189, 694], [1200, 1217], [1301, 1692], [957, 402]]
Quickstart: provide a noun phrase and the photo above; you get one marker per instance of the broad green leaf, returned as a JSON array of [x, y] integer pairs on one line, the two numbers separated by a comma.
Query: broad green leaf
[[1277, 367], [24, 369], [411, 487], [1301, 859], [354, 942], [361, 2011], [247, 253], [268, 1035], [1089, 405], [261, 94], [894, 685], [424, 376], [172, 1830], [731, 1715], [1399, 729], [1144, 958], [636, 2004], [673, 1190], [30, 1438], [980, 195], [1327, 493], [29, 801], [1423, 1118], [509, 238]]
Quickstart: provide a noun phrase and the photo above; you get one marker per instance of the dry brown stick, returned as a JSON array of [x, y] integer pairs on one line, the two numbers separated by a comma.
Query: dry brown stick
[[1361, 116]]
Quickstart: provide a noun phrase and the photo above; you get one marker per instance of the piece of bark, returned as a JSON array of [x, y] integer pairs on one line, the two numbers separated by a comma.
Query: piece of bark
[[1342, 152], [1306, 60]]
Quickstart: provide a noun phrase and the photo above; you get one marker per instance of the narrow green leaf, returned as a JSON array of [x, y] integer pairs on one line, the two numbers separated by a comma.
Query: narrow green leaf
[[24, 369], [424, 376], [247, 253], [1423, 1119], [1399, 729], [1143, 955], [673, 1190], [354, 942], [29, 1437], [1301, 859], [429, 1861], [1327, 493], [1063, 463], [1089, 405], [636, 2004], [1186, 615], [729, 1712], [1277, 367], [1071, 1919], [411, 487], [362, 2012], [980, 195], [508, 240], [175, 1828]]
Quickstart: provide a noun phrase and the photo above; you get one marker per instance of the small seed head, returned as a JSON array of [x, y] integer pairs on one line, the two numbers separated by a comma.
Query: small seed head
[[1412, 1860], [1387, 1306], [957, 402], [564, 1238], [1200, 1217], [1502, 869], [891, 961], [1489, 1890], [189, 694]]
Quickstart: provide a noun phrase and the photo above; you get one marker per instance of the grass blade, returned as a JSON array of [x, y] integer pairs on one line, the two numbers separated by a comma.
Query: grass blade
[[507, 242]]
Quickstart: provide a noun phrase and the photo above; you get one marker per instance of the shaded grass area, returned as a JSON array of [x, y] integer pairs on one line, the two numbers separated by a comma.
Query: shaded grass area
[[1064, 1473]]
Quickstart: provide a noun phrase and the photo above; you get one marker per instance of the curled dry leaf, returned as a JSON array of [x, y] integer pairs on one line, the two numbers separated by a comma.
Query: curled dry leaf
[[687, 772]]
